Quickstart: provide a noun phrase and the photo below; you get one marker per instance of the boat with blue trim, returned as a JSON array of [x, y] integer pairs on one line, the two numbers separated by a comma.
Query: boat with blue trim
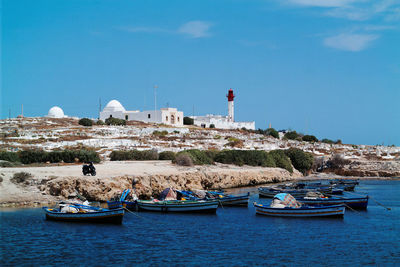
[[73, 212]]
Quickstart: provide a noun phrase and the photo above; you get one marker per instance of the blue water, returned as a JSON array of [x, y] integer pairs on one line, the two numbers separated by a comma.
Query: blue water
[[234, 236]]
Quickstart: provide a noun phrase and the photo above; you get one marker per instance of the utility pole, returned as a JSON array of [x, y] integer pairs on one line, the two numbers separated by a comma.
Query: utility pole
[[22, 110], [155, 102], [99, 107]]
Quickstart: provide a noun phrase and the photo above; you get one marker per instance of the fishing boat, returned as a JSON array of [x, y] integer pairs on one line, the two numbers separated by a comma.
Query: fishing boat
[[202, 206], [73, 212], [304, 211], [352, 202], [126, 200], [285, 205], [270, 192], [224, 199]]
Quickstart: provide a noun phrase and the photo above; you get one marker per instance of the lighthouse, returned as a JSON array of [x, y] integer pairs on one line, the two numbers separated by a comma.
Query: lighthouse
[[231, 112]]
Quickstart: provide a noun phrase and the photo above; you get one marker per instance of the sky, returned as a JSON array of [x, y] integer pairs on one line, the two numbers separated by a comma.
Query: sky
[[330, 68]]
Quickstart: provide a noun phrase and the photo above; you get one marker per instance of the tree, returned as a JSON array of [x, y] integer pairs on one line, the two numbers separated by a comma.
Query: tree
[[272, 132], [310, 138], [292, 135], [212, 126], [188, 121], [85, 122]]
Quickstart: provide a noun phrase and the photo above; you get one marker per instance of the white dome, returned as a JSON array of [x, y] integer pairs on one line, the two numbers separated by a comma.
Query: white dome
[[56, 112], [113, 106]]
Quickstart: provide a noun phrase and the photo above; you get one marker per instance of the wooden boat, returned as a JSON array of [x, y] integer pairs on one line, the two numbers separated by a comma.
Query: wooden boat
[[224, 199], [352, 202], [270, 192], [117, 204], [130, 205], [303, 211], [121, 202], [202, 206], [82, 213], [231, 200]]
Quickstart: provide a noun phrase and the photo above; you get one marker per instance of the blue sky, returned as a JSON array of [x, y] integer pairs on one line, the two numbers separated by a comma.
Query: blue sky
[[329, 68]]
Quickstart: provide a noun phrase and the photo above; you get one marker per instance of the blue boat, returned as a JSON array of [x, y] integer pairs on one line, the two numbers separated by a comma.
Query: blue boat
[[72, 212], [352, 202], [121, 202], [224, 199], [185, 206], [285, 205]]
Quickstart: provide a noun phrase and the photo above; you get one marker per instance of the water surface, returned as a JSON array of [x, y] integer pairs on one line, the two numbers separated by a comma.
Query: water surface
[[234, 236]]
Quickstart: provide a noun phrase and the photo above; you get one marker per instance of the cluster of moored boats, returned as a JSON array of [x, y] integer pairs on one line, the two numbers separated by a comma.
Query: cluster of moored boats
[[289, 200]]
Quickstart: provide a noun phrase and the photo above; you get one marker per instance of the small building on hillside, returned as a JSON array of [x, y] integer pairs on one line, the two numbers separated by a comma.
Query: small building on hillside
[[56, 112], [224, 122], [170, 116]]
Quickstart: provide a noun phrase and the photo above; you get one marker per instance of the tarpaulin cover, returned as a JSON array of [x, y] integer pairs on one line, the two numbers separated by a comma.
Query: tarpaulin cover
[[168, 194], [288, 200]]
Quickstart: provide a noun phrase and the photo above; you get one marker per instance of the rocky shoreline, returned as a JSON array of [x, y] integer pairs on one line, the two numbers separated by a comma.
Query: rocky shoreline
[[55, 183]]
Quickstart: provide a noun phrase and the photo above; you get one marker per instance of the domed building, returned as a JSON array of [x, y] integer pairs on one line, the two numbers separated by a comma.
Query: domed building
[[56, 112], [114, 109]]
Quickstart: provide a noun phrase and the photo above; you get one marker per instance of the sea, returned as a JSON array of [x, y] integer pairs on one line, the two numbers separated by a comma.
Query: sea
[[233, 236]]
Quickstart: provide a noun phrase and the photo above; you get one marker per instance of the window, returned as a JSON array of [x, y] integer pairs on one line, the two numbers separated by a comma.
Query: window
[[166, 118], [126, 117], [148, 116], [110, 116], [178, 119]]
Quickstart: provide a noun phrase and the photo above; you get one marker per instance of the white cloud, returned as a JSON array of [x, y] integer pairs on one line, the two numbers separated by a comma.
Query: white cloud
[[350, 41], [322, 3], [196, 29]]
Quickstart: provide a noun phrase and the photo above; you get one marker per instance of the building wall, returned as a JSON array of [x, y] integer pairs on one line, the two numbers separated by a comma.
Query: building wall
[[150, 116], [222, 122]]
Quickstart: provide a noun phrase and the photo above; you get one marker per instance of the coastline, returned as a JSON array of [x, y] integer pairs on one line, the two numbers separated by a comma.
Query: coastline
[[50, 184]]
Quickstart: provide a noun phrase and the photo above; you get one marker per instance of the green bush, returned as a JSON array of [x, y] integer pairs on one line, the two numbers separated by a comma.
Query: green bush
[[100, 122], [167, 155], [327, 141], [198, 157], [134, 155], [302, 161], [188, 121], [272, 132], [248, 157], [68, 156], [115, 121], [281, 160], [85, 122], [9, 156], [310, 138], [212, 126], [160, 133], [292, 135], [184, 159]]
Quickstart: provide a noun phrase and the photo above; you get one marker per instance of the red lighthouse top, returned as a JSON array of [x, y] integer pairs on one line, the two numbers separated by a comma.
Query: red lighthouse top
[[230, 95]]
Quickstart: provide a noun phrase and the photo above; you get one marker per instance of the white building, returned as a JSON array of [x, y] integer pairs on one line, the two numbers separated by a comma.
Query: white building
[[56, 112], [170, 116], [224, 122]]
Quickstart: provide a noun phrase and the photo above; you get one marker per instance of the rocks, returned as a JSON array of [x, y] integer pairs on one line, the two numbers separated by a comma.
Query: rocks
[[97, 189], [370, 169]]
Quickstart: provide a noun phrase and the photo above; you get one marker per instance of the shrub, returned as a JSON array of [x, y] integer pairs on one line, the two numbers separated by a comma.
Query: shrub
[[292, 135], [20, 177], [337, 162], [115, 121], [212, 126], [183, 159], [167, 155], [281, 160], [248, 157], [198, 157], [69, 156], [327, 141], [134, 155], [338, 142], [160, 133], [188, 121], [301, 160], [6, 164], [272, 132], [9, 156], [100, 122], [234, 142], [85, 122], [310, 138]]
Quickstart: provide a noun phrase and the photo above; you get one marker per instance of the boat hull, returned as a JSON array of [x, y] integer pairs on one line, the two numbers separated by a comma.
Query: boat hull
[[114, 204], [179, 206], [354, 203], [130, 205], [309, 211], [107, 216], [235, 200]]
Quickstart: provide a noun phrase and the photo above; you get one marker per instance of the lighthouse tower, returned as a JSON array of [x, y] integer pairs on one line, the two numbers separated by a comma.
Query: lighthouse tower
[[230, 96]]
